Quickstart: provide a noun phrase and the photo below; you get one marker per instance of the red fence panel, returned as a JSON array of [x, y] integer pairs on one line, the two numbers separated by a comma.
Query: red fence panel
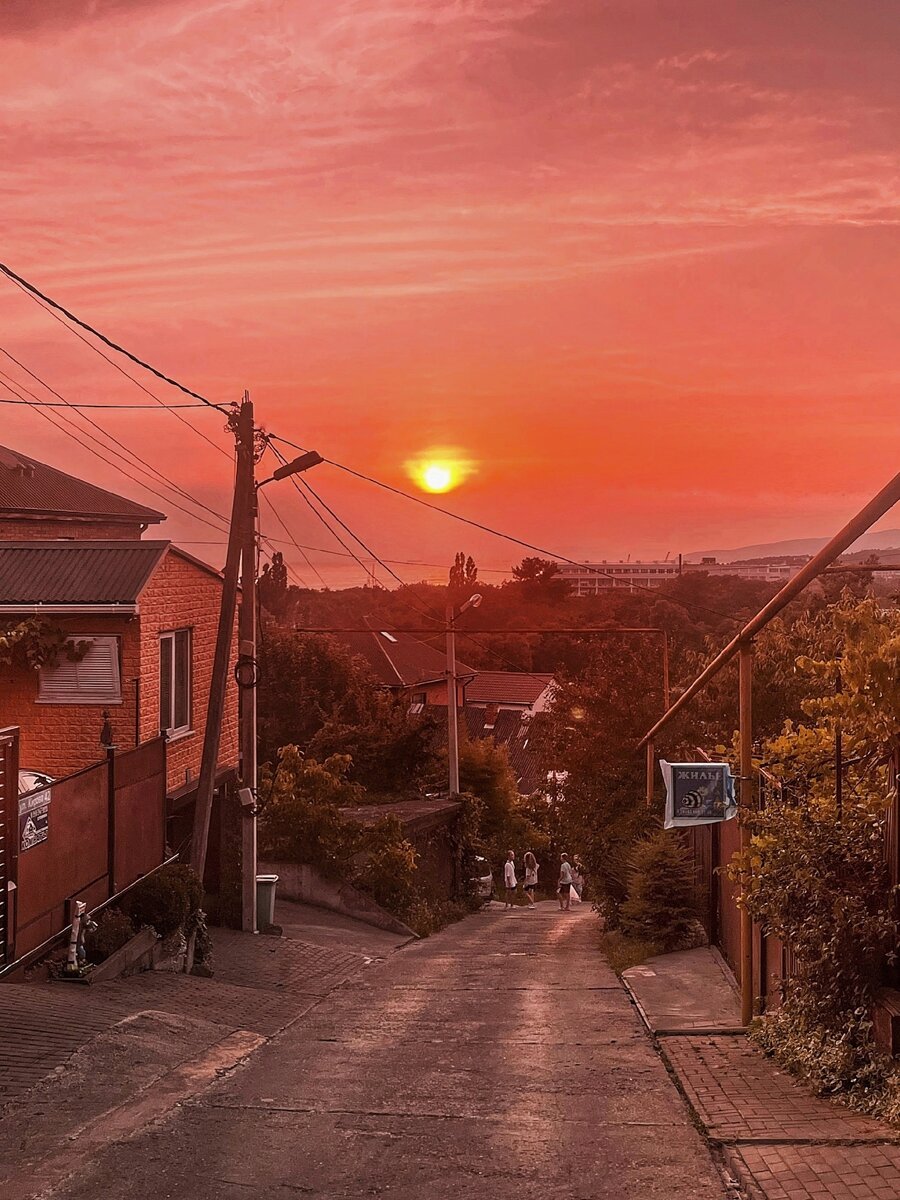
[[140, 812], [67, 849], [69, 862], [9, 790]]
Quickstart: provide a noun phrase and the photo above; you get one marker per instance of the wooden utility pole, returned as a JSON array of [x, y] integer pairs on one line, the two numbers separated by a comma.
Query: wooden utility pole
[[248, 680], [745, 810], [215, 712], [452, 714]]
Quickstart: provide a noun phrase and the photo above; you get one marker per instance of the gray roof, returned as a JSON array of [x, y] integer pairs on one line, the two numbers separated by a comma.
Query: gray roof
[[33, 489], [76, 572]]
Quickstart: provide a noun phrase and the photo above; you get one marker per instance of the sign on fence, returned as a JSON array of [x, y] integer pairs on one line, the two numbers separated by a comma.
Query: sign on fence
[[697, 793], [34, 819]]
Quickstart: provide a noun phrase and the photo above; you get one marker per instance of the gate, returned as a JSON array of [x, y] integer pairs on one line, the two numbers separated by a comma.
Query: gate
[[9, 791]]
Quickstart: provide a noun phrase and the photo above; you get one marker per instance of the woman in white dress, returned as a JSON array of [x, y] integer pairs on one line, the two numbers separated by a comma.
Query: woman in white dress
[[531, 877]]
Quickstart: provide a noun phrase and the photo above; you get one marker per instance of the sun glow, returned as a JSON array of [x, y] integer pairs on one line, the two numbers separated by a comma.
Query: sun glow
[[439, 471]]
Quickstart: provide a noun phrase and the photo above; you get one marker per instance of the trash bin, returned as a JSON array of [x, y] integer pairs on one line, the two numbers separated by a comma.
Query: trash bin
[[265, 900]]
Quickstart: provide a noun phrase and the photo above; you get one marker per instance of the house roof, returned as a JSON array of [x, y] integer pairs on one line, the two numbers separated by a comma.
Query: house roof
[[397, 659], [76, 572], [507, 687], [32, 489], [515, 731]]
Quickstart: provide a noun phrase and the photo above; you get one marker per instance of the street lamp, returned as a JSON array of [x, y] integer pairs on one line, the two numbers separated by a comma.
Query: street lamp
[[247, 680], [452, 715]]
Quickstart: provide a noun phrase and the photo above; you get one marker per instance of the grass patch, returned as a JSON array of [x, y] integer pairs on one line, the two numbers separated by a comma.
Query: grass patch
[[622, 952]]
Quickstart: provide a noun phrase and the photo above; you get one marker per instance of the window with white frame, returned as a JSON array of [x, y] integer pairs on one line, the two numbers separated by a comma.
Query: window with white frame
[[175, 682], [90, 676]]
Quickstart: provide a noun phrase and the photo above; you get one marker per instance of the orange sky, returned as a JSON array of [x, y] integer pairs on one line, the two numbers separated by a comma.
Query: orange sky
[[639, 260]]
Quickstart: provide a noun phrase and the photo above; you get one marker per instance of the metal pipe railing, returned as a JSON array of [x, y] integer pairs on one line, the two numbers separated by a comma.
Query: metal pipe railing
[[864, 519]]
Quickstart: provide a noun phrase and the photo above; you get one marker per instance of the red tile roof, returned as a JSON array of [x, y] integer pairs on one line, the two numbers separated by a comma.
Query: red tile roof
[[507, 687], [31, 488]]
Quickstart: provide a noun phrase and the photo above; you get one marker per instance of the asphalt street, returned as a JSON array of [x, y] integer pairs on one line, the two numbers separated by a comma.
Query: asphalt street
[[500, 1058]]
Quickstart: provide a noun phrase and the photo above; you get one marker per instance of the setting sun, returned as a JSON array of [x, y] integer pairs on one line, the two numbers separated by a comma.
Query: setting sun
[[439, 470]]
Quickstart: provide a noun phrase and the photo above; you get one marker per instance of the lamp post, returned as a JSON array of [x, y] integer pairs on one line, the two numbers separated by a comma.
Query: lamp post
[[452, 715], [246, 674]]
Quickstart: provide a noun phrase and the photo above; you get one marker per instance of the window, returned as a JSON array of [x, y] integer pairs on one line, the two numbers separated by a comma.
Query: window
[[93, 679], [175, 682]]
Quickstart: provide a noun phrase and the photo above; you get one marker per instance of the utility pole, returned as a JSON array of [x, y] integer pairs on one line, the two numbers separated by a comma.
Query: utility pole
[[242, 504], [248, 682], [452, 715]]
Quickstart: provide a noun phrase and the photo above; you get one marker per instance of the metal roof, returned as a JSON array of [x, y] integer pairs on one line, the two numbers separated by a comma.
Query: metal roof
[[76, 572], [32, 488], [397, 659]]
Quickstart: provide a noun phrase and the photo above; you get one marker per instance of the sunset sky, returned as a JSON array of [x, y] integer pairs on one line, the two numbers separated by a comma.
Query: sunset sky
[[637, 261]]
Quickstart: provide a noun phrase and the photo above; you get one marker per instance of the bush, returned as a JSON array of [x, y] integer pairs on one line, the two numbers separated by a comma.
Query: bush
[[165, 900], [114, 929], [388, 874], [661, 902]]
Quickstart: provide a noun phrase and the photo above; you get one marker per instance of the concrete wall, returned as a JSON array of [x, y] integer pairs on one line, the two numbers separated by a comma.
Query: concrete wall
[[298, 881]]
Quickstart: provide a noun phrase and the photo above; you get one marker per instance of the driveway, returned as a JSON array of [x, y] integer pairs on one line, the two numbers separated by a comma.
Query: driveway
[[499, 1059]]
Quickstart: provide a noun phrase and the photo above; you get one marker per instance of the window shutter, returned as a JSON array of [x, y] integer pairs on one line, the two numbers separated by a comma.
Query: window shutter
[[93, 680]]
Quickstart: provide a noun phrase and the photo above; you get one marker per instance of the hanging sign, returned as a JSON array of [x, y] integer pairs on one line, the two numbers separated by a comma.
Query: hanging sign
[[697, 793], [34, 819]]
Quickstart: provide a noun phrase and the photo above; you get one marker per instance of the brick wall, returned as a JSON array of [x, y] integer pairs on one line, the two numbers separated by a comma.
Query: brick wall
[[62, 738], [181, 595], [41, 530]]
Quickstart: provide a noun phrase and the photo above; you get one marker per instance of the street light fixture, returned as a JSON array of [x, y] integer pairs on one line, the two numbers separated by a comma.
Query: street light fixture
[[452, 714]]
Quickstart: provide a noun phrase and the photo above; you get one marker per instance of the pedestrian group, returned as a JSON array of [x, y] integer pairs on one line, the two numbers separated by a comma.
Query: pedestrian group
[[568, 889]]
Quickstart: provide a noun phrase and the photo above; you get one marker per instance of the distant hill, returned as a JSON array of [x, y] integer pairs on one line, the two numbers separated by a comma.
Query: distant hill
[[880, 539]]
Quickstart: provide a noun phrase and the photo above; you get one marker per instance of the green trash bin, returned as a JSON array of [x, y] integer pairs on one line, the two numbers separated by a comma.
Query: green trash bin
[[265, 900]]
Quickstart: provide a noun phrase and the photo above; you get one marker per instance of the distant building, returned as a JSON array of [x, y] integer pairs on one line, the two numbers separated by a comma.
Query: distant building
[[765, 572], [591, 578]]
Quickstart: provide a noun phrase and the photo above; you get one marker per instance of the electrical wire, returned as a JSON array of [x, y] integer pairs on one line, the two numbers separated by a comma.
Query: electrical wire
[[38, 294], [118, 367], [292, 541], [102, 407], [55, 418], [140, 463]]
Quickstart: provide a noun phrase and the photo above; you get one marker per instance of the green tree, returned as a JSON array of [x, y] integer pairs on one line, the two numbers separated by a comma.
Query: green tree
[[661, 904]]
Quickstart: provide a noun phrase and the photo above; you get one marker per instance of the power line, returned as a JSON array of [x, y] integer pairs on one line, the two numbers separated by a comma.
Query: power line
[[55, 418], [102, 407], [292, 541], [509, 537], [118, 367], [141, 463], [38, 294]]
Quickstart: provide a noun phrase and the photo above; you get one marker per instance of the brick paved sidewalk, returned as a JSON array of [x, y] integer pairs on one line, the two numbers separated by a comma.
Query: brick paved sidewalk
[[260, 984], [777, 1140]]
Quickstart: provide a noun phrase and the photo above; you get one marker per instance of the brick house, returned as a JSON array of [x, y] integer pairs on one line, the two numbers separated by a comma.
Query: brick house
[[73, 554], [405, 666]]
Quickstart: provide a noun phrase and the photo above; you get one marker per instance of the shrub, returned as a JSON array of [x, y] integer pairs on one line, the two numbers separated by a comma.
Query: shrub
[[661, 902], [113, 930], [389, 871], [165, 900]]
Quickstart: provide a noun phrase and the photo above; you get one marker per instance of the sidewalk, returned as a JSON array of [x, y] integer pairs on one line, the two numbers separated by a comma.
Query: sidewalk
[[260, 984], [777, 1140]]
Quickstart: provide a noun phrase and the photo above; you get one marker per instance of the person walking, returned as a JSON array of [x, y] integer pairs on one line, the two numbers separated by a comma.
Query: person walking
[[531, 877], [564, 888], [509, 878]]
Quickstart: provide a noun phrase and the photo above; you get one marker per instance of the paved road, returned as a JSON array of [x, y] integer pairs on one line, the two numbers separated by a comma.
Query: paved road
[[499, 1059]]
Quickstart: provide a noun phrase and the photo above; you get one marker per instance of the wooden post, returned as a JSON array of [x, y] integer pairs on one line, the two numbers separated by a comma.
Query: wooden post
[[240, 511], [744, 812], [452, 714], [111, 818], [650, 765], [247, 633]]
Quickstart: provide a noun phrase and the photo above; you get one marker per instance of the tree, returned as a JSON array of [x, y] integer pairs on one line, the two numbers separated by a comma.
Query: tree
[[661, 904], [484, 772], [307, 681], [463, 577], [538, 580], [273, 586]]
